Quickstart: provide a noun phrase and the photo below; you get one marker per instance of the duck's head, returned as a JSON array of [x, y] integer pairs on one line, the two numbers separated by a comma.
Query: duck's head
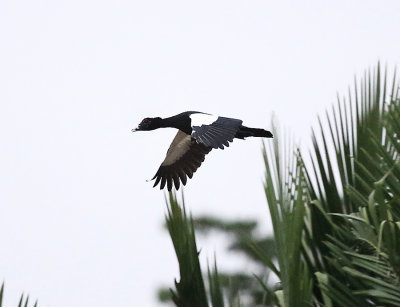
[[149, 123]]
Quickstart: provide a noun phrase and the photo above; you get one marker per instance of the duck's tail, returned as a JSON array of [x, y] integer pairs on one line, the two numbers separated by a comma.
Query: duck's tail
[[244, 132]]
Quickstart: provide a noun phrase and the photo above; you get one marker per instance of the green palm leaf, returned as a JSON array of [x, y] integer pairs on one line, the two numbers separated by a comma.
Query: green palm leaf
[[355, 169], [190, 290], [336, 221], [285, 191], [23, 301]]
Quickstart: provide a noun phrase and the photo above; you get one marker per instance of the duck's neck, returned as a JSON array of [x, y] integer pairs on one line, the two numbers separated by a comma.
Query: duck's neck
[[167, 122], [178, 122]]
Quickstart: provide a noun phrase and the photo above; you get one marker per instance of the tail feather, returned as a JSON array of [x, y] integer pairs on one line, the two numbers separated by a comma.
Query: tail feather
[[254, 132]]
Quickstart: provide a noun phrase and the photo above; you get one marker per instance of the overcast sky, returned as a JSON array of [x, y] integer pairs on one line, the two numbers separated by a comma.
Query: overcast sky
[[79, 224]]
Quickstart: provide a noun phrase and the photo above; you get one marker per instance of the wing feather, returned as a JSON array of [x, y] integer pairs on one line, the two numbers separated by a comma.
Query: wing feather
[[218, 133], [182, 176], [169, 183], [163, 181], [157, 180], [183, 158], [176, 181]]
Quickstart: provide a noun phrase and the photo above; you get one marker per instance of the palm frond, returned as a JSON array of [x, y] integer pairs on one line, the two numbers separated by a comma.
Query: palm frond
[[285, 189], [190, 290], [216, 294], [336, 221], [355, 168], [23, 301]]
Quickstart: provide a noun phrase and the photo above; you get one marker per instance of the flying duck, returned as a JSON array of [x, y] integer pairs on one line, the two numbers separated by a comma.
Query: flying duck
[[198, 134]]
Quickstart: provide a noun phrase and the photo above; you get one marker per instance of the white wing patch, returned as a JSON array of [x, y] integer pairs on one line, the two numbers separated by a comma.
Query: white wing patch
[[199, 119]]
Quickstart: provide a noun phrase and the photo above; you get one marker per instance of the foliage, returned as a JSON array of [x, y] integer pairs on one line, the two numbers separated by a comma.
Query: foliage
[[244, 240], [190, 290], [335, 215], [23, 301], [286, 193], [346, 226]]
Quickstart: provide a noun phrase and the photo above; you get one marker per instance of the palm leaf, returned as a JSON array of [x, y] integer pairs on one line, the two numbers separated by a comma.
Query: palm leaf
[[338, 218], [23, 301], [285, 192], [216, 294], [353, 168], [190, 290]]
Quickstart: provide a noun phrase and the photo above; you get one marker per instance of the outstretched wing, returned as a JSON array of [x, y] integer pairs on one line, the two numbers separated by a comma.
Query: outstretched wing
[[218, 133], [183, 158]]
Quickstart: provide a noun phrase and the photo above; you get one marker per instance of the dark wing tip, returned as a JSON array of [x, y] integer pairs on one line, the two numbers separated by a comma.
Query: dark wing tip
[[176, 181], [172, 175], [163, 181], [169, 183], [157, 180]]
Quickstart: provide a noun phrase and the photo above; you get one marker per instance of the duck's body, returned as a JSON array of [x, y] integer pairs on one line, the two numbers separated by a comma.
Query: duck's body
[[198, 134]]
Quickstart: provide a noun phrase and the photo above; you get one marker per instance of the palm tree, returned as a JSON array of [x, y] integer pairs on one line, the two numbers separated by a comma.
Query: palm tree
[[336, 219]]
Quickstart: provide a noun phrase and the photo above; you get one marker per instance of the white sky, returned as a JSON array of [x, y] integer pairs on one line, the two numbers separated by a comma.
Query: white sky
[[79, 224]]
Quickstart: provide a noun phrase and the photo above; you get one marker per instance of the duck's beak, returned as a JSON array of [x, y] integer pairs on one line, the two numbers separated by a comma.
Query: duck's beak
[[138, 128]]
